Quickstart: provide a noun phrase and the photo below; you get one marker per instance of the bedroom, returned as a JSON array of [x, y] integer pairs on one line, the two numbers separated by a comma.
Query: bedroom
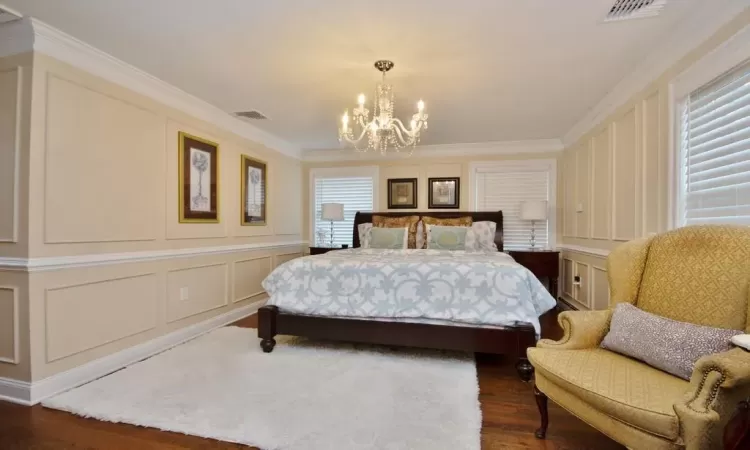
[[140, 211]]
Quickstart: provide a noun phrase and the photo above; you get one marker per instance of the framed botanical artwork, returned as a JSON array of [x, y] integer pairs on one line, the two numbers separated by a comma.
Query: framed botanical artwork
[[198, 179], [443, 193], [254, 185], [402, 193]]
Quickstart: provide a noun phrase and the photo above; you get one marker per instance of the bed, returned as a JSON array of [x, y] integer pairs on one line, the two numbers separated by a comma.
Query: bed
[[360, 312]]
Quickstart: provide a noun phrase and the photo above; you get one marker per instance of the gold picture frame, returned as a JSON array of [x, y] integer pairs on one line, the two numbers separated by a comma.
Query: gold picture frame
[[253, 209], [196, 156]]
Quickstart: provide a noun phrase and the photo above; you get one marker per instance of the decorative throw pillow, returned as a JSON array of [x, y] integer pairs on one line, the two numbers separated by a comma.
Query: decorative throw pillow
[[454, 222], [364, 234], [481, 236], [391, 238], [666, 344], [446, 238], [399, 222]]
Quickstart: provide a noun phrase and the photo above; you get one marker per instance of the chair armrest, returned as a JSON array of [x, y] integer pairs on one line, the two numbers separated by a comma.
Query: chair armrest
[[581, 329], [719, 382]]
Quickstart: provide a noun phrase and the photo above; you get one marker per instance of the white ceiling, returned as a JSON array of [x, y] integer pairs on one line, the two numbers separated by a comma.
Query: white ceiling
[[488, 70]]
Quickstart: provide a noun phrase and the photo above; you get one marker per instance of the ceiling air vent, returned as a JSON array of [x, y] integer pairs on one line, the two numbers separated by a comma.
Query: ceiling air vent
[[253, 115], [8, 15], [634, 9]]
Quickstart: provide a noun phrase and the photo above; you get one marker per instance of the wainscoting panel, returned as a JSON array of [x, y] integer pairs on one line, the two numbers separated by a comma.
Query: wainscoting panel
[[9, 325], [624, 177], [84, 316], [650, 160], [583, 188], [569, 194], [195, 290], [582, 291], [601, 185], [568, 271], [248, 276], [599, 288], [129, 174], [10, 123]]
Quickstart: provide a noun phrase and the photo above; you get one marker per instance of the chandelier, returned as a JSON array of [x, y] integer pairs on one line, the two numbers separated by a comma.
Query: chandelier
[[383, 131]]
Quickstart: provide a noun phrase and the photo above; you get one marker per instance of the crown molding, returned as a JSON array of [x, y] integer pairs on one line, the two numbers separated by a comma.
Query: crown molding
[[707, 18], [16, 37], [52, 42], [102, 259], [439, 151]]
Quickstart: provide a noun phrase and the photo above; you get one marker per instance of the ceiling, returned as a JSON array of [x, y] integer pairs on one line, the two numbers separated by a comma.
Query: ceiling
[[488, 70]]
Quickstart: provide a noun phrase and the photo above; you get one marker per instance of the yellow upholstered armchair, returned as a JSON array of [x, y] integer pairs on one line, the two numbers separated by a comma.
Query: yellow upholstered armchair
[[698, 274]]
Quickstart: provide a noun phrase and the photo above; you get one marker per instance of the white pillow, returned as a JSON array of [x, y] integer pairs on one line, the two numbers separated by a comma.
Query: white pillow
[[481, 237], [364, 230], [742, 340]]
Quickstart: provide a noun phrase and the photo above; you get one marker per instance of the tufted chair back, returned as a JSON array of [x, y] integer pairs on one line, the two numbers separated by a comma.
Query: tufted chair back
[[698, 274]]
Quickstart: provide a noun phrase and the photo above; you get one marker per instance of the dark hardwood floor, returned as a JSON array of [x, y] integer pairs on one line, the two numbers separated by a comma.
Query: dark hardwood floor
[[508, 410]]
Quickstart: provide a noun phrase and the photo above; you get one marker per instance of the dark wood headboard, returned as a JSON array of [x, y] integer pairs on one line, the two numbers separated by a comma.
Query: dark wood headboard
[[477, 216]]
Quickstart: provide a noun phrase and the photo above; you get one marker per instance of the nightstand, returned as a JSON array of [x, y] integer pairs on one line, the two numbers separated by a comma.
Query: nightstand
[[542, 263], [321, 250]]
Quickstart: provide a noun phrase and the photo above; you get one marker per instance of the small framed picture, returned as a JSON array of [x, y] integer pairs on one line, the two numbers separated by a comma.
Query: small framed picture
[[198, 179], [402, 193], [254, 185], [443, 193]]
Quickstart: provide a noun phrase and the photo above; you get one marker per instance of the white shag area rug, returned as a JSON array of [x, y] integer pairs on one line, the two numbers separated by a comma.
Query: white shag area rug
[[304, 395]]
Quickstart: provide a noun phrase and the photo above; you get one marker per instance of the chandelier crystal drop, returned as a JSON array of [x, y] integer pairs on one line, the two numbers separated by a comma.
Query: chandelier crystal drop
[[382, 132]]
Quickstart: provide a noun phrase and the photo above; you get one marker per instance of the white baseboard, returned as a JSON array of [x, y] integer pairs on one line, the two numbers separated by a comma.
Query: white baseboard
[[28, 394]]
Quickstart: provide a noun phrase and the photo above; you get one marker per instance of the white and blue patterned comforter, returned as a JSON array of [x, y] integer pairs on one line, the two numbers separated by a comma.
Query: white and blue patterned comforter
[[480, 288]]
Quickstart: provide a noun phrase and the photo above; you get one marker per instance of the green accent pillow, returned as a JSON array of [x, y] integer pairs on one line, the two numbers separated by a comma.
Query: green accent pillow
[[446, 238], [391, 238]]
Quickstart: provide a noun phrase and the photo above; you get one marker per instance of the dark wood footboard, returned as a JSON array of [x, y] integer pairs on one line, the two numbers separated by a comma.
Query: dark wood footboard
[[512, 340]]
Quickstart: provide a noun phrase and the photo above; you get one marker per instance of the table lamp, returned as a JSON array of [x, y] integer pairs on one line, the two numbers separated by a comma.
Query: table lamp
[[334, 212], [533, 210]]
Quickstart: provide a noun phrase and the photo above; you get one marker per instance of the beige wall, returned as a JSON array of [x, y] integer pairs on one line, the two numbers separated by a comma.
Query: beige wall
[[102, 178], [615, 179], [413, 167]]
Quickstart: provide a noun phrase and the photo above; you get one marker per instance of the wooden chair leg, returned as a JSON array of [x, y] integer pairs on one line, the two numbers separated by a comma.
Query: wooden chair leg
[[541, 403], [267, 327]]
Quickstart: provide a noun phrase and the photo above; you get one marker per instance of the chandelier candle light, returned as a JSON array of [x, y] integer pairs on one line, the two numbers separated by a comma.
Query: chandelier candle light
[[383, 131]]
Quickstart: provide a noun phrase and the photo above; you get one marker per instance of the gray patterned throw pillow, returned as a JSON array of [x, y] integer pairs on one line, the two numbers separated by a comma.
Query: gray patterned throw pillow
[[389, 238], [665, 344]]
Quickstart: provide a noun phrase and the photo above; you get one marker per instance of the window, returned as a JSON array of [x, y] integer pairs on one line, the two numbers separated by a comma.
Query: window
[[504, 185], [355, 187], [715, 153]]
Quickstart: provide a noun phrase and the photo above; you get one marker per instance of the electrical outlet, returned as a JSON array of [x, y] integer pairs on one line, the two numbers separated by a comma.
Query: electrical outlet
[[184, 294], [579, 207]]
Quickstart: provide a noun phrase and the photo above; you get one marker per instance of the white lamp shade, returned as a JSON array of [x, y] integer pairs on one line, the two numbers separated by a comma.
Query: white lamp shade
[[332, 211], [534, 210]]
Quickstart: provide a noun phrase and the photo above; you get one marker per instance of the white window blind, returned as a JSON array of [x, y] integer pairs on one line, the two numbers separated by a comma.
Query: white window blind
[[356, 193], [504, 189], [716, 151]]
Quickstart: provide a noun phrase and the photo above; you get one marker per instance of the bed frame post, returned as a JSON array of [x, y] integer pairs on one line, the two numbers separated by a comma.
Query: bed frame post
[[523, 366], [267, 327]]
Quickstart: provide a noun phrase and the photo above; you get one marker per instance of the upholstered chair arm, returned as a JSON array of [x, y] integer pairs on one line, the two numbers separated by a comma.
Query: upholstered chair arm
[[582, 329], [719, 382]]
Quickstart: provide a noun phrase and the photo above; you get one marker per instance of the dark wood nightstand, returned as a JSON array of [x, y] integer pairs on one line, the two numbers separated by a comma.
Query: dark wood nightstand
[[542, 263], [321, 250]]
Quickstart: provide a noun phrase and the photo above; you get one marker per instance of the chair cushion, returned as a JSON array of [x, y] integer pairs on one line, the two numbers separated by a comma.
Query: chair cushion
[[616, 385]]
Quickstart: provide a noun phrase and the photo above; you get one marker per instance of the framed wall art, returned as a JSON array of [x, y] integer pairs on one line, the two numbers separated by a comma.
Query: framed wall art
[[402, 193], [443, 193], [198, 179], [254, 185]]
